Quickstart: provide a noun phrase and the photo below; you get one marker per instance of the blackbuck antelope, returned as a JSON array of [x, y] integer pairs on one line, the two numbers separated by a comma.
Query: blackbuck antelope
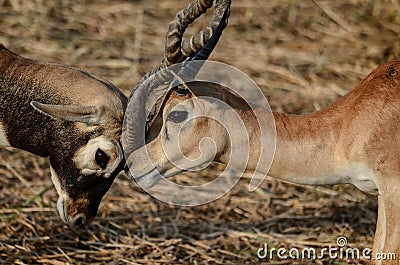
[[355, 140], [76, 119], [71, 117]]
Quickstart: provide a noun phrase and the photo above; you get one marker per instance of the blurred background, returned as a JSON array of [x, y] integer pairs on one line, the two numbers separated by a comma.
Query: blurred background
[[303, 54]]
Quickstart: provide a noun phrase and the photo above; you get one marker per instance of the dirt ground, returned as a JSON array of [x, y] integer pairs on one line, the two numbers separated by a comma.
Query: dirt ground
[[303, 54]]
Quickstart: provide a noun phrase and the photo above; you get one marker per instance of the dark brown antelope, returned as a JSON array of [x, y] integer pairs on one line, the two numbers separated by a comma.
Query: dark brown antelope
[[71, 117]]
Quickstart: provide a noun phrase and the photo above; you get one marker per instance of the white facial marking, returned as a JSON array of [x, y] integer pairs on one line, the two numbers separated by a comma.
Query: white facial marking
[[88, 172], [85, 157], [3, 138], [62, 196]]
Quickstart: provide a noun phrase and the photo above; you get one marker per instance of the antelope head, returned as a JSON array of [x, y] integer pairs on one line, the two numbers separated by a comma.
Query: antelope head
[[71, 117], [168, 104]]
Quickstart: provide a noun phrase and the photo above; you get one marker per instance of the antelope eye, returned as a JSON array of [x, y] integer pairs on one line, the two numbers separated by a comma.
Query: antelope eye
[[180, 92], [101, 158], [177, 116]]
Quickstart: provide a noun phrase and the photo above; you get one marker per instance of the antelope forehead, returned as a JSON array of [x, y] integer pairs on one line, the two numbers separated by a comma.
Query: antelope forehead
[[207, 108]]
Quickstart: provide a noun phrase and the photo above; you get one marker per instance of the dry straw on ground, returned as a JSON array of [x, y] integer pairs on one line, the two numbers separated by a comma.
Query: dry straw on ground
[[303, 54]]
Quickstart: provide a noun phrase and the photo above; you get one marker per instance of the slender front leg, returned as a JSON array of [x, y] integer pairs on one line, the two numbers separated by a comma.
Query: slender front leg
[[379, 239], [386, 248]]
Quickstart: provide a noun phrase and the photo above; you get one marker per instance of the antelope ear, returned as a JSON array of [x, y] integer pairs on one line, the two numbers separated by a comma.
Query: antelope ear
[[90, 115]]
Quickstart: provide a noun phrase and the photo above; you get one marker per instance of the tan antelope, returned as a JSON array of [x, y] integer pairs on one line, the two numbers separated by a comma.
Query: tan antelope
[[355, 140], [75, 119]]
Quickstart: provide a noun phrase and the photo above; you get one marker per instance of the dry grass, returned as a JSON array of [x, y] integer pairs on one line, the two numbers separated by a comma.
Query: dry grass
[[303, 54]]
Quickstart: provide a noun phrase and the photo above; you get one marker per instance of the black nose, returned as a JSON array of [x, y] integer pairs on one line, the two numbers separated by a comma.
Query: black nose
[[79, 221]]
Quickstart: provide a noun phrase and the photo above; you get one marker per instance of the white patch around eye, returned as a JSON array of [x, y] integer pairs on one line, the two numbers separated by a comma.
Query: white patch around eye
[[88, 172], [3, 136], [62, 196], [85, 157]]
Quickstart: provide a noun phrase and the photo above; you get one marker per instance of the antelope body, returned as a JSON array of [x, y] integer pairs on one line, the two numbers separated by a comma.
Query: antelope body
[[355, 140], [71, 117]]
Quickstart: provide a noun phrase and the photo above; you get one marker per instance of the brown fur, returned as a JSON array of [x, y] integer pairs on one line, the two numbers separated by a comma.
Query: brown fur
[[355, 140], [23, 81]]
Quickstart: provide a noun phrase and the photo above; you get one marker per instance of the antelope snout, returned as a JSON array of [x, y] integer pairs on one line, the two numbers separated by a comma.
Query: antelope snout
[[80, 220], [76, 213]]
